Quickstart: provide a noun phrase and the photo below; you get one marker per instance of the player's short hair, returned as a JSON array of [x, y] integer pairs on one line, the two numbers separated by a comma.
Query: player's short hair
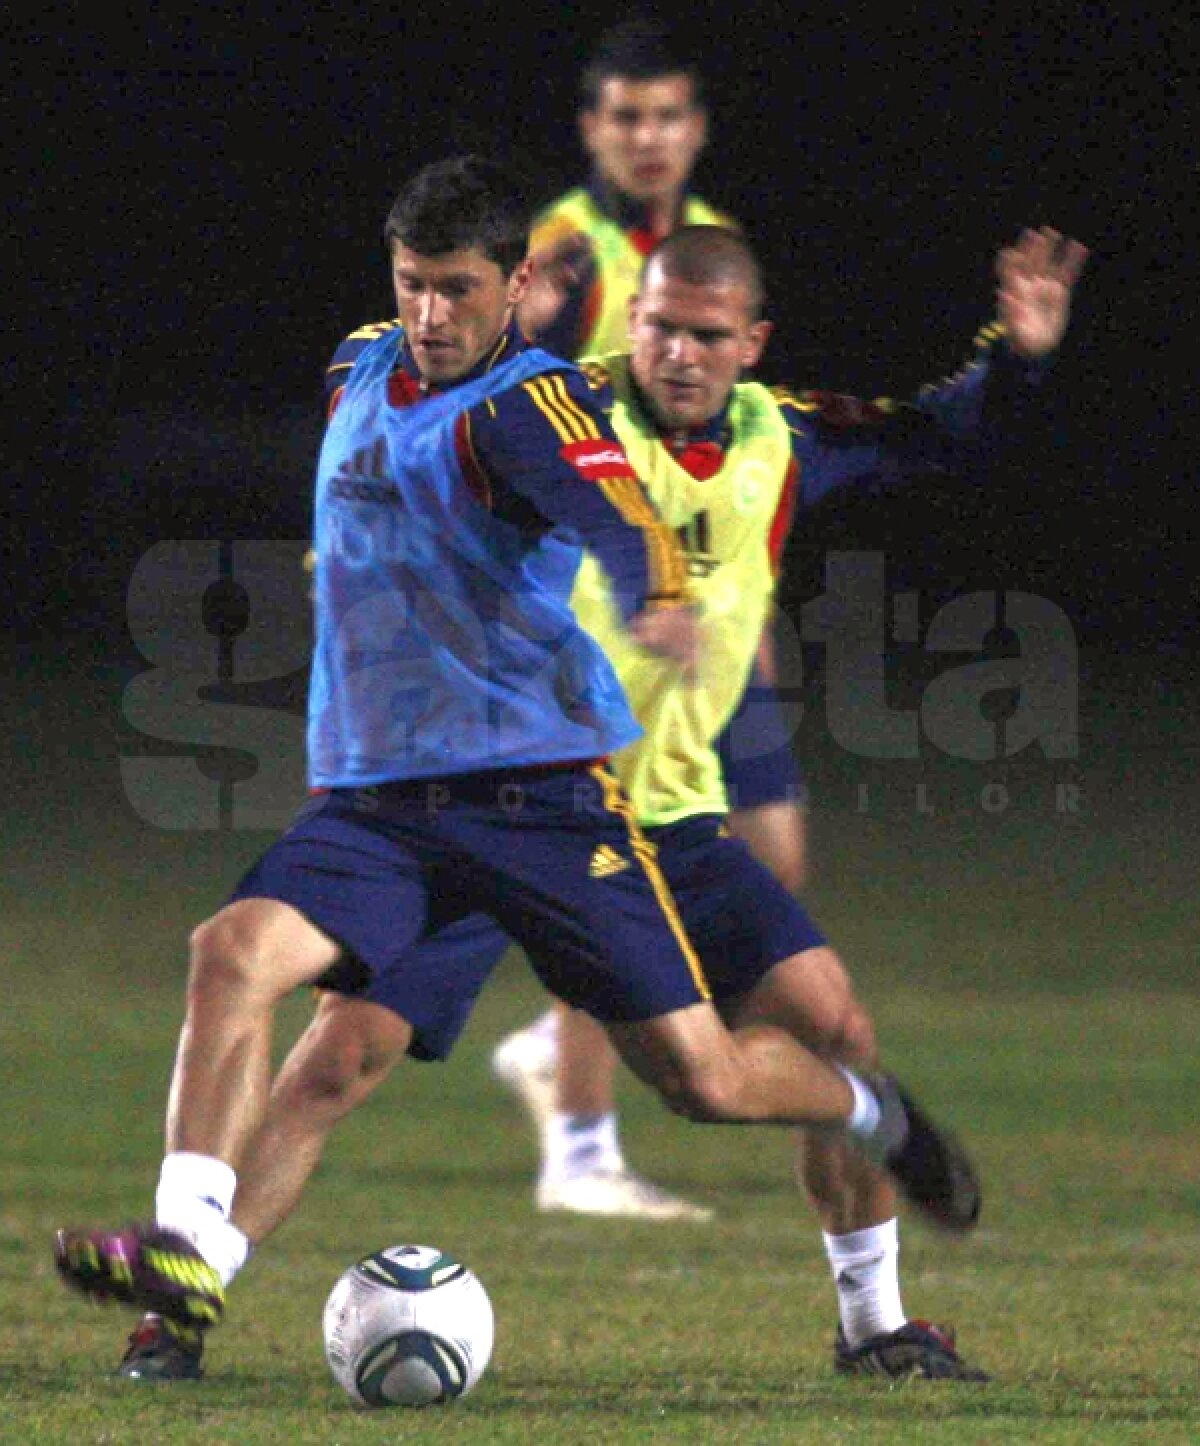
[[641, 47], [459, 203], [710, 256]]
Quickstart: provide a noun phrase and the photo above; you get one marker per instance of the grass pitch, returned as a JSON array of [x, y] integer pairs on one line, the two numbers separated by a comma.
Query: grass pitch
[[1030, 971]]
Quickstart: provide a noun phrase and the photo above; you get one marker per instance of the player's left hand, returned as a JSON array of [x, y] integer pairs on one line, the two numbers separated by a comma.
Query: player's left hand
[[1035, 278]]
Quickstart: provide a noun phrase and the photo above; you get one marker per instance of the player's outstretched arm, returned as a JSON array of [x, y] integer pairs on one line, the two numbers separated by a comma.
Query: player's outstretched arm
[[1035, 278]]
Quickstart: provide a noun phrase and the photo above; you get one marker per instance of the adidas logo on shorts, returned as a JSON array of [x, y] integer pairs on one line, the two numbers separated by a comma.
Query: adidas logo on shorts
[[606, 861]]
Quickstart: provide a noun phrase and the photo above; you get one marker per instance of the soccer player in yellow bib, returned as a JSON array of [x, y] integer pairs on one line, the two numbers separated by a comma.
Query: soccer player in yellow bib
[[643, 124], [726, 462]]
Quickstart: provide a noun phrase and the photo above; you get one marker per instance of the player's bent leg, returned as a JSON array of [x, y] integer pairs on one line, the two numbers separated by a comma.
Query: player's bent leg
[[854, 1199], [760, 1074], [811, 996], [348, 1050], [757, 1074]]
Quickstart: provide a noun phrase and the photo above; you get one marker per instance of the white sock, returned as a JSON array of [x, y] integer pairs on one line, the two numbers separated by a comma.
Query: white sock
[[574, 1145], [866, 1271], [545, 1026], [865, 1113], [190, 1185], [194, 1198]]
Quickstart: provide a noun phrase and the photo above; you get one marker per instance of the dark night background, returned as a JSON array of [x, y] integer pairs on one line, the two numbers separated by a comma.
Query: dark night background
[[196, 201]]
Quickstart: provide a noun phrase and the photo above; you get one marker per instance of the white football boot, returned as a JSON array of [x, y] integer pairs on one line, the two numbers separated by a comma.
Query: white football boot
[[614, 1190]]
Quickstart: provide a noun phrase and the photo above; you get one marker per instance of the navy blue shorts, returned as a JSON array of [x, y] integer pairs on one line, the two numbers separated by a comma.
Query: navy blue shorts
[[758, 761], [741, 920], [738, 915], [551, 856]]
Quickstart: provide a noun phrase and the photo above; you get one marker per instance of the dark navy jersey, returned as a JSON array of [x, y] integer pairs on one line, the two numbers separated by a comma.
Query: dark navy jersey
[[542, 455]]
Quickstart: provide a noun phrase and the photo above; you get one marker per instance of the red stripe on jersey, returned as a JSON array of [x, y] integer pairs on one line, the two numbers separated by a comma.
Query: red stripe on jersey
[[839, 411], [473, 474], [597, 460], [402, 389], [781, 523]]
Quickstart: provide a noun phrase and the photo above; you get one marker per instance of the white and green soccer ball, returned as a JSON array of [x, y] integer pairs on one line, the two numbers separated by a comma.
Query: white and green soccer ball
[[408, 1326]]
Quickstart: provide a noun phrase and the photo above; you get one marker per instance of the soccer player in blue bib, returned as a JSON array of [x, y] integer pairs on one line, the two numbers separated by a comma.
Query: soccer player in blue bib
[[460, 722]]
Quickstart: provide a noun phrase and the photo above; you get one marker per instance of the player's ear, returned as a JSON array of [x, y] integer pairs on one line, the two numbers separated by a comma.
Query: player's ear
[[587, 128], [755, 341], [633, 310], [518, 282]]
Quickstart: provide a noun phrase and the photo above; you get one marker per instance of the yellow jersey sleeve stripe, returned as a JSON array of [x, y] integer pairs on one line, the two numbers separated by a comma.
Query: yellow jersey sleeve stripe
[[616, 801], [570, 424], [372, 330], [629, 500], [786, 394], [544, 402], [571, 408], [664, 559]]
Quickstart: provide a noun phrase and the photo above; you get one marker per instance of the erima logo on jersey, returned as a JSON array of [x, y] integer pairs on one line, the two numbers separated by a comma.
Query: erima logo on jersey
[[364, 476], [597, 461], [606, 861]]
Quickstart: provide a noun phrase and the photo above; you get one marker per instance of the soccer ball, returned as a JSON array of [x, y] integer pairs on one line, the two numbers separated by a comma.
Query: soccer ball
[[408, 1326]]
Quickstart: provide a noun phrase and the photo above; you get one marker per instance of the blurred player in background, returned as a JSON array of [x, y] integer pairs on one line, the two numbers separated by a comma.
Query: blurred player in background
[[643, 123]]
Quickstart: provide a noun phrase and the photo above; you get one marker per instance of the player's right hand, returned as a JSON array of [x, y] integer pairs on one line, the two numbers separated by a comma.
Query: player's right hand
[[671, 632]]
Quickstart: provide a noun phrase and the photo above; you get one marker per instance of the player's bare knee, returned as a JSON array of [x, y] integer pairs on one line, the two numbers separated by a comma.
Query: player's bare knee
[[355, 1062], [242, 951], [844, 1028], [221, 956]]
